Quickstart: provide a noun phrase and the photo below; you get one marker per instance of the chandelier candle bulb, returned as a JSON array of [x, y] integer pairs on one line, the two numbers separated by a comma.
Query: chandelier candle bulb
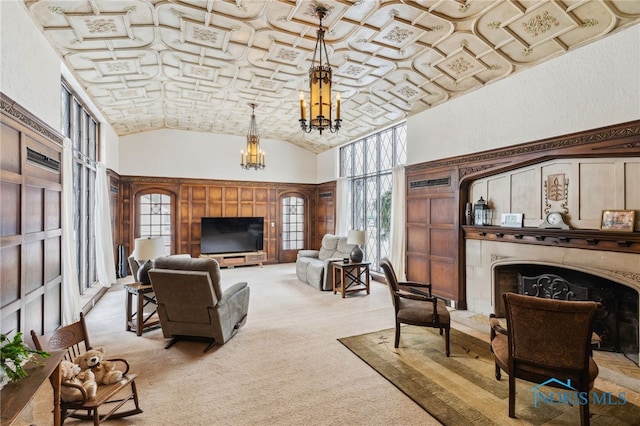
[[303, 113]]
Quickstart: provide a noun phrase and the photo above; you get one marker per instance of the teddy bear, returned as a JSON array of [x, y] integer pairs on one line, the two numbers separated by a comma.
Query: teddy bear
[[105, 372], [71, 373]]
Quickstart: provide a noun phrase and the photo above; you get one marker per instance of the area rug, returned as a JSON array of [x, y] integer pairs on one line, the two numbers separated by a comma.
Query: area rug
[[462, 389]]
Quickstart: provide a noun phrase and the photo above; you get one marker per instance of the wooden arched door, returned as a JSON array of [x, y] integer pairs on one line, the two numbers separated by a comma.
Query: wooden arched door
[[293, 233]]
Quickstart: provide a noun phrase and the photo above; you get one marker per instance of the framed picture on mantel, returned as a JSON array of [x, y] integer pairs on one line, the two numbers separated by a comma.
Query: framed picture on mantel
[[618, 220], [512, 220]]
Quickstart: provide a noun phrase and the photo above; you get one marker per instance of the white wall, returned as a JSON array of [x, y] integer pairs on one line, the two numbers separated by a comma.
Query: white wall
[[110, 148], [593, 86], [328, 165], [183, 154], [29, 74]]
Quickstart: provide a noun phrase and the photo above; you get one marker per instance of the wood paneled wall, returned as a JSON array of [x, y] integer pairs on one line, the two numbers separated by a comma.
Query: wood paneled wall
[[432, 223], [613, 180], [323, 218], [437, 192], [31, 226], [197, 198]]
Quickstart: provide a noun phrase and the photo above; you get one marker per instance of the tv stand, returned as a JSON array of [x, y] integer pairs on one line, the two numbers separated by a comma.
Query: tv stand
[[229, 260]]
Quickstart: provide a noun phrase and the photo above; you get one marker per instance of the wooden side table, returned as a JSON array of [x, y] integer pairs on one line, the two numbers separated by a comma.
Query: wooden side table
[[140, 321], [17, 395], [348, 277]]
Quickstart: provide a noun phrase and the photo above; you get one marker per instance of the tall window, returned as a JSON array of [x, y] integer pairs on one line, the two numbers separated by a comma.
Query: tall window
[[82, 128], [367, 164], [154, 217]]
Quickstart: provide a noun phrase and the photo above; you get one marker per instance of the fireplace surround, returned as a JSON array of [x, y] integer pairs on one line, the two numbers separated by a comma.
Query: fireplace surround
[[493, 267], [617, 318]]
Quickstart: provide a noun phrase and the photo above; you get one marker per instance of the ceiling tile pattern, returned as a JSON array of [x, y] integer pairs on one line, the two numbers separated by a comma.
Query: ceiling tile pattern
[[198, 64]]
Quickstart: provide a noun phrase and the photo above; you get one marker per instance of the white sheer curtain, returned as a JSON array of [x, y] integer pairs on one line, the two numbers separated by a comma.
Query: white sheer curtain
[[398, 237], [70, 290], [105, 262], [342, 215]]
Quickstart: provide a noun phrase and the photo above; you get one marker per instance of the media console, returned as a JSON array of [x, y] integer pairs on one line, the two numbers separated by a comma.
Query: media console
[[229, 260]]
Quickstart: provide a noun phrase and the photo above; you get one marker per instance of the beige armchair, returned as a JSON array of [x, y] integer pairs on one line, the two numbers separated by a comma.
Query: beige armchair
[[191, 302], [314, 268]]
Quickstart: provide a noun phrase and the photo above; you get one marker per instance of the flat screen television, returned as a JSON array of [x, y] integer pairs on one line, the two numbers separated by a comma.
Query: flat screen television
[[231, 234]]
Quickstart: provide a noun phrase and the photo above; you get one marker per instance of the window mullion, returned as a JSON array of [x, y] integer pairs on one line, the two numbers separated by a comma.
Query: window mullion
[[360, 182], [75, 119]]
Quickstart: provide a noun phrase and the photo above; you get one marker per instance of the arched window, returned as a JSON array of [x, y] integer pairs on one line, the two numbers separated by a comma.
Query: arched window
[[293, 223], [155, 216]]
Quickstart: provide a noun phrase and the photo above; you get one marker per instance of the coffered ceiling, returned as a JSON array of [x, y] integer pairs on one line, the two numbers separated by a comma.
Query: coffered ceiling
[[198, 64]]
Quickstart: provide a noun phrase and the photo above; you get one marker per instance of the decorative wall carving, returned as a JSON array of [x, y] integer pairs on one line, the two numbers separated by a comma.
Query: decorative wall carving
[[556, 188], [9, 107]]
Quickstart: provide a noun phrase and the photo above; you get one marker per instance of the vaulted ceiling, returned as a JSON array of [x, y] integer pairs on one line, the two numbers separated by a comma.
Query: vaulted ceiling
[[198, 64]]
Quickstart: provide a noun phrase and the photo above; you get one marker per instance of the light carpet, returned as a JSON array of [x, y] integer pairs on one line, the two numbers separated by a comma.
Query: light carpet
[[284, 367], [462, 389]]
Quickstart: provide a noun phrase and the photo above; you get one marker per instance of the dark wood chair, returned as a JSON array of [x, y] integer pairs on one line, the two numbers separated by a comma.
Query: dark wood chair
[[414, 304], [74, 339], [548, 342]]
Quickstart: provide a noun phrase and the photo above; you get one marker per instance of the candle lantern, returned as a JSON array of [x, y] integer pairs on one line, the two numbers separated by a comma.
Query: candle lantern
[[481, 213]]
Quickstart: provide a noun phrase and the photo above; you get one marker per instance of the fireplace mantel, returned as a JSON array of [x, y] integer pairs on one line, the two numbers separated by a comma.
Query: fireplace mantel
[[591, 239]]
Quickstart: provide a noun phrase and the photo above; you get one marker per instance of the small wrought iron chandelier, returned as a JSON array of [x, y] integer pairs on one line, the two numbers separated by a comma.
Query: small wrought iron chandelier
[[254, 157], [320, 88]]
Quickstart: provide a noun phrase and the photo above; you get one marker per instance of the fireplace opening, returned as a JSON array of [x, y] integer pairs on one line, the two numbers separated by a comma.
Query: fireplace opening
[[616, 320]]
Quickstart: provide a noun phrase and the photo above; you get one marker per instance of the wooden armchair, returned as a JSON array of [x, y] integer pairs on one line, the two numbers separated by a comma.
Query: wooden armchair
[[548, 342], [413, 304], [74, 339]]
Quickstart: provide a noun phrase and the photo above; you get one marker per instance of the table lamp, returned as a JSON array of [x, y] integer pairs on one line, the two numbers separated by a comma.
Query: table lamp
[[357, 238], [147, 249]]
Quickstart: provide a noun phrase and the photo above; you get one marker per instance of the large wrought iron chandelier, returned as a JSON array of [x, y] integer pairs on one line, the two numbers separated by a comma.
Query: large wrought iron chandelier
[[254, 157], [320, 88]]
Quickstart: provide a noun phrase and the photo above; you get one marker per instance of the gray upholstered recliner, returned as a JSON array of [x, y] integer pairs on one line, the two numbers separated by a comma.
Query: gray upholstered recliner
[[191, 302], [314, 266]]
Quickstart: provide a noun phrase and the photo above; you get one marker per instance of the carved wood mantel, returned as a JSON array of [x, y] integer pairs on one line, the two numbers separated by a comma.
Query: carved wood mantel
[[590, 239]]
